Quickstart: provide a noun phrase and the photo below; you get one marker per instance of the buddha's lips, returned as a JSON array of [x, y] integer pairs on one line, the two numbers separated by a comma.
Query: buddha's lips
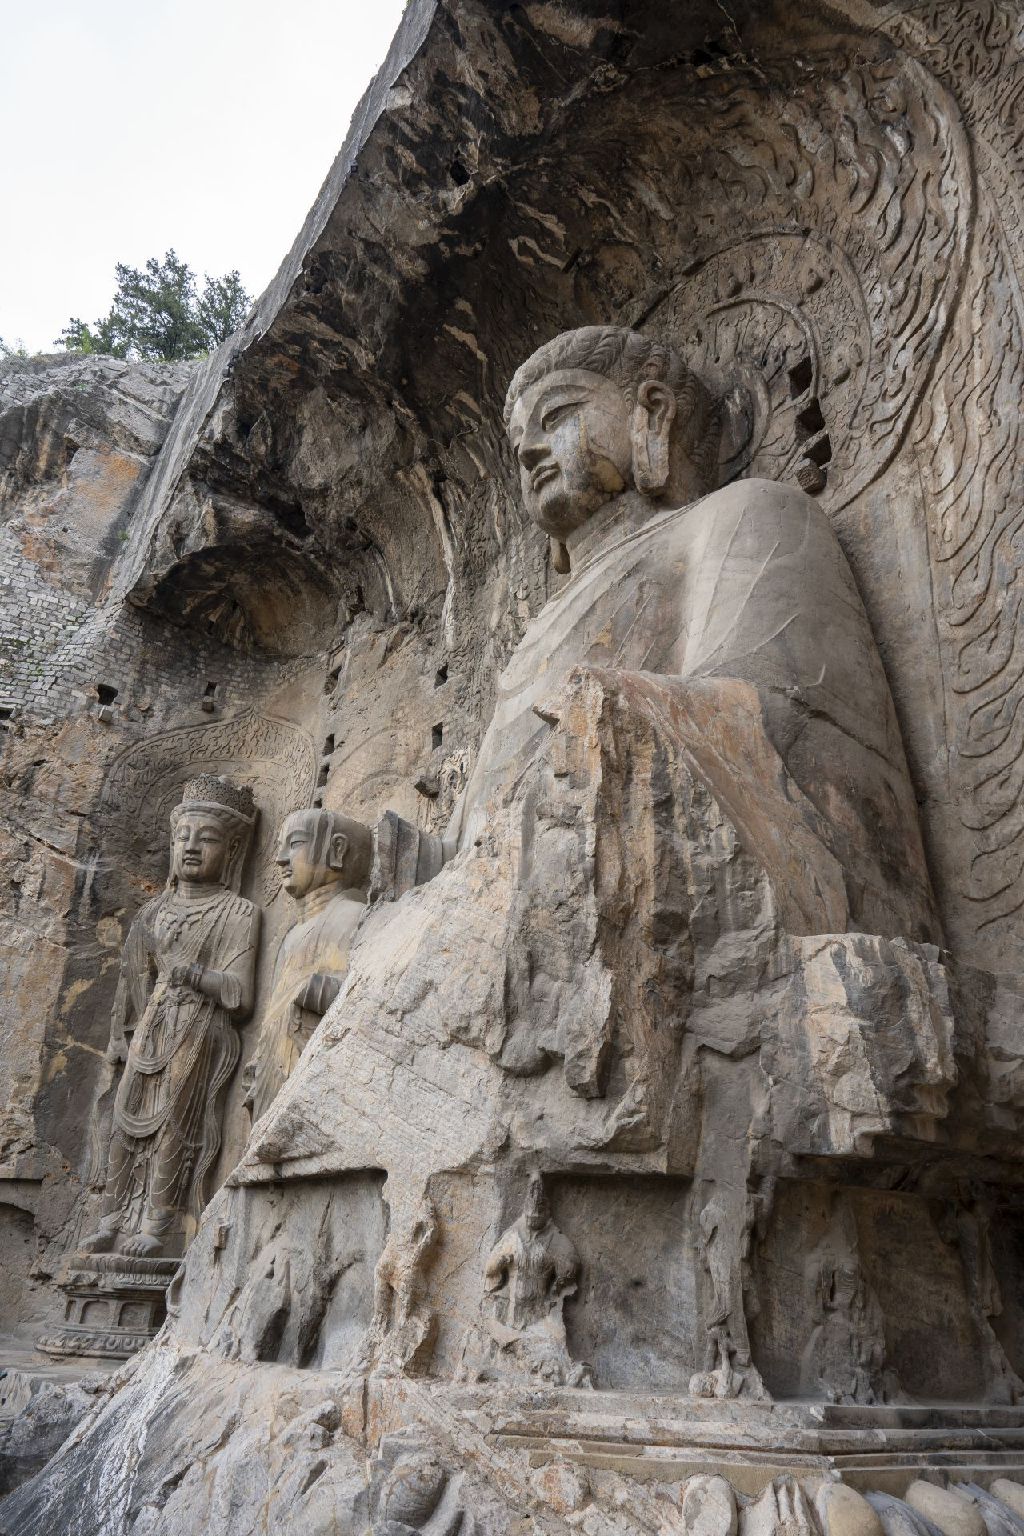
[[542, 475]]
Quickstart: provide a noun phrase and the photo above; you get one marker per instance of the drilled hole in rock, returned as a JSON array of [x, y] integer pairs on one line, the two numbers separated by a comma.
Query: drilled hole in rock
[[437, 736], [810, 421], [106, 693], [328, 745], [322, 776], [458, 173], [820, 451], [800, 377], [211, 691], [441, 675], [6, 713]]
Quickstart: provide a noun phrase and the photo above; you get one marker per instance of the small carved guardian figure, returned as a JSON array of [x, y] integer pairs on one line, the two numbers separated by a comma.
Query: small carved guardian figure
[[845, 1354], [187, 976], [728, 1370], [400, 1331], [324, 859], [530, 1271]]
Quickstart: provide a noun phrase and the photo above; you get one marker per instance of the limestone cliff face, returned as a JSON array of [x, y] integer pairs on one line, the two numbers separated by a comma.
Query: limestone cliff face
[[597, 1150]]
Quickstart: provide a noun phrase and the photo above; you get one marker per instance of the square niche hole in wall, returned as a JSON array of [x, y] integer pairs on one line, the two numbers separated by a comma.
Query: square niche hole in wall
[[863, 1275], [633, 1316], [294, 1273]]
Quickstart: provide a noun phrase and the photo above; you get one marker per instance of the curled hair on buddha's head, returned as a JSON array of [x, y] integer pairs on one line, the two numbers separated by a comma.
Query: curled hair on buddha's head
[[630, 360]]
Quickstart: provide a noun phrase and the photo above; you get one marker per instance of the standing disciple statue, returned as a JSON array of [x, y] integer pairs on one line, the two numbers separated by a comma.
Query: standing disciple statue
[[324, 859], [187, 976]]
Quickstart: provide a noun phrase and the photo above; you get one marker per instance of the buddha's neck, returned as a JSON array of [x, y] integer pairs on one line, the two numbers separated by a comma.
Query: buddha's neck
[[618, 518]]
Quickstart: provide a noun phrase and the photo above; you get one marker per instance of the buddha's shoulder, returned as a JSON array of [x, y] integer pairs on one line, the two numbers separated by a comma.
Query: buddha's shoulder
[[760, 511]]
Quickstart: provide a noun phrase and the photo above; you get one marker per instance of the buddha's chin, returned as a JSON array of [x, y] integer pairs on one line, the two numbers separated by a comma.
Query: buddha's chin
[[559, 517]]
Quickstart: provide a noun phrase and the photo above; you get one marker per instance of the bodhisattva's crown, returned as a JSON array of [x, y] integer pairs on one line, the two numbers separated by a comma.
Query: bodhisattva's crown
[[212, 789]]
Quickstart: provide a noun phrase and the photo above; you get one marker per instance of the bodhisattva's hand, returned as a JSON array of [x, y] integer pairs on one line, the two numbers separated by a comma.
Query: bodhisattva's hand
[[187, 976]]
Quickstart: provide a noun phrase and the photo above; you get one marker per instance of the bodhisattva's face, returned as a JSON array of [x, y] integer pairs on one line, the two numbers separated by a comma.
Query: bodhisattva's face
[[200, 849], [301, 871], [570, 433]]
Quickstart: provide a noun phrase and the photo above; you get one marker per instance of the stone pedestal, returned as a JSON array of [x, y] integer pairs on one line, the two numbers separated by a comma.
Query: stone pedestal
[[665, 1439], [114, 1305]]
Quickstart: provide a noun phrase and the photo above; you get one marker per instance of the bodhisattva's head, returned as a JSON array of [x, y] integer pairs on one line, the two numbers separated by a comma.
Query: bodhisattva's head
[[601, 411], [318, 848], [200, 848], [211, 829]]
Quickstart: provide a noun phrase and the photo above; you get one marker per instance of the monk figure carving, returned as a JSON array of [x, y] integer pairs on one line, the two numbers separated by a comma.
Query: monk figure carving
[[187, 976], [324, 859]]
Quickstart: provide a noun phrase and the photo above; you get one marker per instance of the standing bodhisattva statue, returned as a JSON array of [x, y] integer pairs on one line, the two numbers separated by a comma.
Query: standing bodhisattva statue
[[324, 859], [187, 976]]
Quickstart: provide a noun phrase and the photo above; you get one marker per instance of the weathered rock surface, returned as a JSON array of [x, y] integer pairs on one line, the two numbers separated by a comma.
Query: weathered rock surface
[[644, 1155]]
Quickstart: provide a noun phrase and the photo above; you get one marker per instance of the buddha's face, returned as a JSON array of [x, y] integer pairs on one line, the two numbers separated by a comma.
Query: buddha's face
[[570, 433], [303, 868], [200, 848]]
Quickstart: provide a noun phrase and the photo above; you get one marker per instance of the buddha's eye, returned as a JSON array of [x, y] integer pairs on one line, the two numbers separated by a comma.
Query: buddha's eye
[[557, 413]]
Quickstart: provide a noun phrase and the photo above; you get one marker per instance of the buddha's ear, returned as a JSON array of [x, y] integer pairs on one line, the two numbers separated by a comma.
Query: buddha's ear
[[653, 415], [336, 850]]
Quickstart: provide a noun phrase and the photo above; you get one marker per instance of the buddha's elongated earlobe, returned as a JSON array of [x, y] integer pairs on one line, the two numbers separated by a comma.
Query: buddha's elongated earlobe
[[652, 422], [559, 556]]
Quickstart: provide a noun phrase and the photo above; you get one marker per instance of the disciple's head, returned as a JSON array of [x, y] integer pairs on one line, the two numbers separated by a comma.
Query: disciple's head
[[537, 1211], [211, 830], [602, 410], [318, 848]]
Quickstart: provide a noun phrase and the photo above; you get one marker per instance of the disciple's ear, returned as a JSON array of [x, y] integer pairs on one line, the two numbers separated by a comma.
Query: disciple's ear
[[336, 850], [653, 415]]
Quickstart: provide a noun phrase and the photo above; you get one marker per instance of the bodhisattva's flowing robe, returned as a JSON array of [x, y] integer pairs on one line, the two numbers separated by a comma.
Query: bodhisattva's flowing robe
[[183, 1049]]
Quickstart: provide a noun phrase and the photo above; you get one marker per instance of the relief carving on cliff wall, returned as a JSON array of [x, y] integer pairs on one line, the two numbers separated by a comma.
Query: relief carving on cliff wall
[[820, 315], [530, 1271]]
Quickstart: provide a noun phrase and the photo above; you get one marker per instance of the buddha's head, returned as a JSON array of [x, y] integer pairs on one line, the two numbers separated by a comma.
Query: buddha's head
[[211, 829], [317, 848], [604, 410]]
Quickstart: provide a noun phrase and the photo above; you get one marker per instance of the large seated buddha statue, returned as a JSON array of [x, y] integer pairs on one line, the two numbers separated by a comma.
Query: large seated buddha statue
[[741, 596]]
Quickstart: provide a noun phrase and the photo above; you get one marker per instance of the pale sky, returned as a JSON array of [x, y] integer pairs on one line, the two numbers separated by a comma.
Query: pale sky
[[132, 125]]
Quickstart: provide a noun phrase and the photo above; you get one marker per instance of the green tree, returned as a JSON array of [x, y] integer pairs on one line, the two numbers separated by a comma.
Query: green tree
[[158, 314], [222, 307]]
